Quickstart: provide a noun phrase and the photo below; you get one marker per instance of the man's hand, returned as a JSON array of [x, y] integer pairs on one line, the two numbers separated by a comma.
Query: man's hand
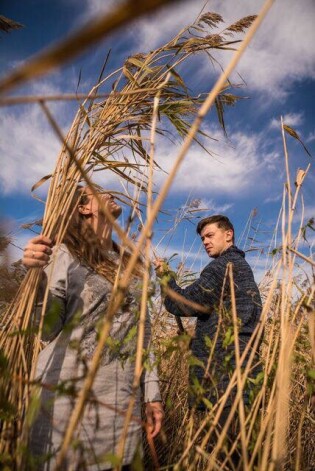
[[162, 268], [159, 265], [154, 416], [37, 252]]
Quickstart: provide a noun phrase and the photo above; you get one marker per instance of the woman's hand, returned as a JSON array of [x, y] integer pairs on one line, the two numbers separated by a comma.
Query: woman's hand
[[154, 417], [37, 252]]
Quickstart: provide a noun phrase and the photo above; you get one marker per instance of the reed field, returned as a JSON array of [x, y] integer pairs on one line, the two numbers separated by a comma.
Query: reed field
[[115, 130]]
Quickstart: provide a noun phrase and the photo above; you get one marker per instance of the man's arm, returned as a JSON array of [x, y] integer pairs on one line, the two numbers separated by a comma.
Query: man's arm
[[195, 300]]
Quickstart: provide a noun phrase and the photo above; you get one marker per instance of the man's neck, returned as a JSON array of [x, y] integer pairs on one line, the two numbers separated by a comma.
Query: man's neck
[[227, 247]]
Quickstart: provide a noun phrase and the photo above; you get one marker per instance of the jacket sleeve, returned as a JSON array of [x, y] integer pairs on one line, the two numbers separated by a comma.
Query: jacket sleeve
[[149, 379], [205, 291]]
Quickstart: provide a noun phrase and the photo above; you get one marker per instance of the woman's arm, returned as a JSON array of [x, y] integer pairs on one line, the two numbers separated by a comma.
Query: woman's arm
[[154, 418], [37, 254], [150, 387]]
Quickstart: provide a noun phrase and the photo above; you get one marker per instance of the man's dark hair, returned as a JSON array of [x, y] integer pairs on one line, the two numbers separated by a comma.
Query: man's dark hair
[[222, 221]]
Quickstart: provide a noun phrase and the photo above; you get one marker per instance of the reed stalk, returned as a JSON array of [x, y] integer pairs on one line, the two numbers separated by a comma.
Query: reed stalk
[[106, 127]]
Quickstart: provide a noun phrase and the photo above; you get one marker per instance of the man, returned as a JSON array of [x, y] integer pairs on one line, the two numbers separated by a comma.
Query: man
[[209, 299]]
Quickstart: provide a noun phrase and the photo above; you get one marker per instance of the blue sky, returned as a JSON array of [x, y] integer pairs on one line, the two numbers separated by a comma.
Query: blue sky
[[247, 170]]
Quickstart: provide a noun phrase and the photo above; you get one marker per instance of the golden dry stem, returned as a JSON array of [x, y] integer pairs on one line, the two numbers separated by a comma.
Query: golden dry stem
[[279, 420]]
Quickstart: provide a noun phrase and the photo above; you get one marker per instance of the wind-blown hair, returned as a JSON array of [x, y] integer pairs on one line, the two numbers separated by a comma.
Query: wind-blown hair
[[84, 245]]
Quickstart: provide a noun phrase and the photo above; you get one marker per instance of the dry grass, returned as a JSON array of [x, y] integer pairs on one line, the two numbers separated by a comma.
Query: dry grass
[[279, 421], [280, 424], [298, 452]]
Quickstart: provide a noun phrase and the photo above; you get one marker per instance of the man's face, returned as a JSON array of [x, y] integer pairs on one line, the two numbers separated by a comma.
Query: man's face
[[215, 239]]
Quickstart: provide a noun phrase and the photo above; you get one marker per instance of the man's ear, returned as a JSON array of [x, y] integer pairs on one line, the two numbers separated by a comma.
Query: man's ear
[[229, 235]]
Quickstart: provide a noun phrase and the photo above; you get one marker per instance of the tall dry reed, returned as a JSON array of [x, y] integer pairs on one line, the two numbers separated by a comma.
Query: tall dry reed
[[148, 86], [100, 133]]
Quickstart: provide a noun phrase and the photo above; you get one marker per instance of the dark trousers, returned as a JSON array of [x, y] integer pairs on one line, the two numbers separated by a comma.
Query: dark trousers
[[233, 461]]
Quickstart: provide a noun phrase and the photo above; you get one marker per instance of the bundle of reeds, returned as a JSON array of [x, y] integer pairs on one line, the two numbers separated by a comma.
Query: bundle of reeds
[[146, 87]]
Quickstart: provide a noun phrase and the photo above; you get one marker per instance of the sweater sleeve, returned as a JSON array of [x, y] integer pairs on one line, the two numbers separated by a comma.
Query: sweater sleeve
[[205, 291], [57, 272], [149, 379], [56, 277]]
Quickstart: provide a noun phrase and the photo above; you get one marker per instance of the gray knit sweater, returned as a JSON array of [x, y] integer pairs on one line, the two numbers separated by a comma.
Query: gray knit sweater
[[216, 328], [78, 301]]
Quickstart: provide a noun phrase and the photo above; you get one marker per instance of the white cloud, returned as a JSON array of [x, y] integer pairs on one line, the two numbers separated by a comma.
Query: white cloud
[[28, 143], [94, 8], [291, 119], [307, 213], [235, 169], [196, 207], [273, 199], [19, 241], [280, 53], [310, 137], [235, 172], [35, 146], [29, 148], [209, 205]]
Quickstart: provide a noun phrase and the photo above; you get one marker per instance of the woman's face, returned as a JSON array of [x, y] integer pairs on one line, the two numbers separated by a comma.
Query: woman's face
[[96, 210]]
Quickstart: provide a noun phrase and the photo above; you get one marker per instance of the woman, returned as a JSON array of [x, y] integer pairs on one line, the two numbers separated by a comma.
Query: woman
[[80, 283]]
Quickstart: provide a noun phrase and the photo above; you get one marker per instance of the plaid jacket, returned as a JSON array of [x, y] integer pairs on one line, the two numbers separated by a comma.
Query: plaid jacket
[[214, 330]]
